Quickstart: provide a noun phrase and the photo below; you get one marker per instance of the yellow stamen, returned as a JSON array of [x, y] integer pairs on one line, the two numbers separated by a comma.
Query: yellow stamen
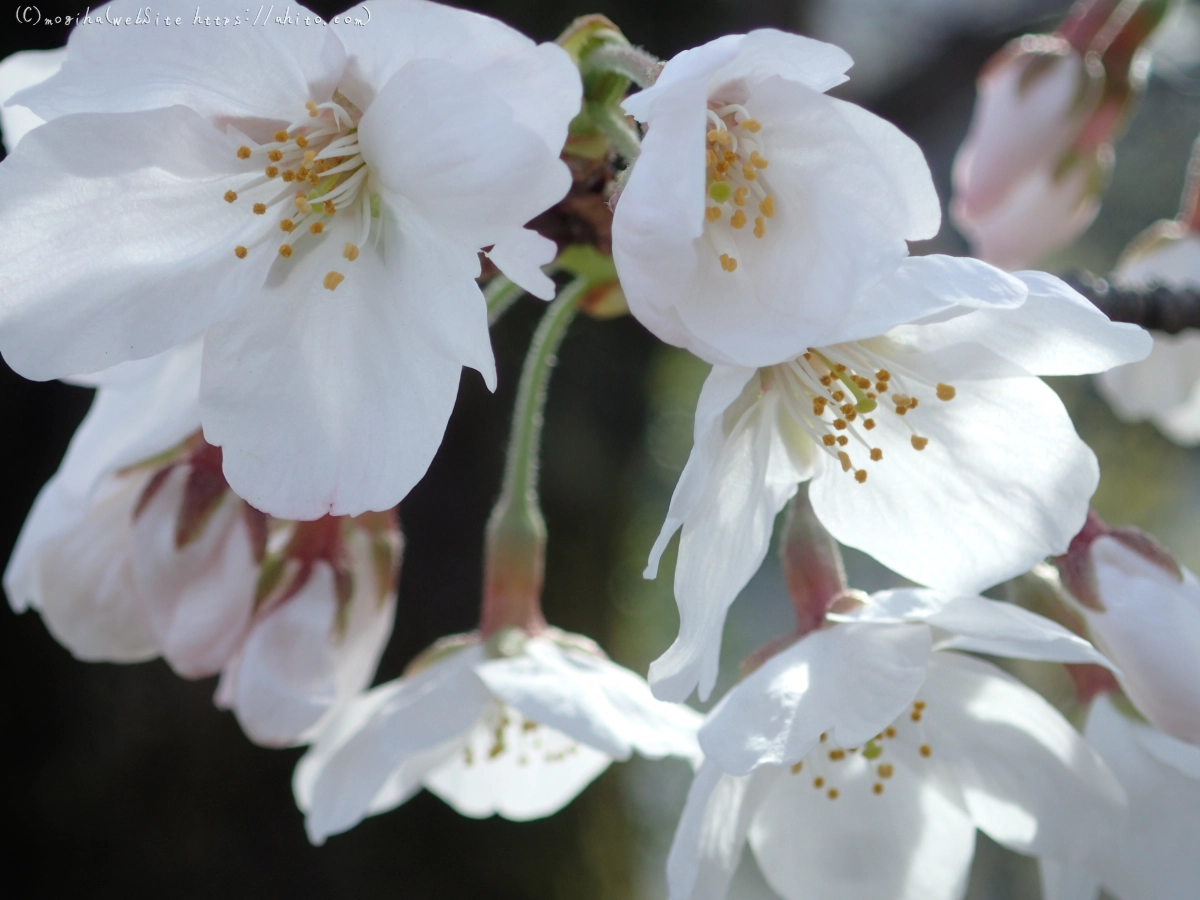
[[274, 155], [230, 196], [876, 454], [758, 161], [287, 225], [271, 171], [767, 206], [945, 392], [332, 280], [285, 250], [760, 227], [260, 209], [243, 152], [712, 213], [728, 263], [281, 137], [739, 196], [350, 251], [751, 125], [240, 252], [316, 227], [919, 443], [738, 219]]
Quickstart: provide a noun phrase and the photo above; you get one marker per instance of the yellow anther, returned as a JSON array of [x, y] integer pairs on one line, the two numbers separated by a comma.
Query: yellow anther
[[330, 209], [751, 125], [285, 250], [832, 793], [275, 155], [798, 767], [877, 788], [826, 380], [926, 750], [710, 158], [876, 454], [839, 396], [243, 152], [350, 251], [287, 225], [271, 171], [748, 172], [885, 770], [860, 475], [302, 204], [289, 175], [945, 392], [846, 408], [332, 280], [738, 219], [818, 782], [316, 227], [919, 443], [839, 368], [767, 206], [818, 405], [828, 440], [260, 209], [824, 736], [868, 424], [760, 227], [881, 386], [883, 375], [839, 424], [721, 168], [729, 156], [889, 732], [281, 136], [916, 715], [314, 179], [919, 704], [310, 105], [728, 263], [712, 213], [844, 459], [301, 141], [230, 196], [837, 755], [758, 161], [842, 440], [912, 404], [240, 252], [720, 136], [309, 156], [739, 196]]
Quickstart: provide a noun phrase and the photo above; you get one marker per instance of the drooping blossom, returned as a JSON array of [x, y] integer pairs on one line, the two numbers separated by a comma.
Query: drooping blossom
[[138, 548], [759, 207], [1142, 608], [859, 762], [311, 202], [515, 726], [1164, 387], [1029, 177], [934, 448]]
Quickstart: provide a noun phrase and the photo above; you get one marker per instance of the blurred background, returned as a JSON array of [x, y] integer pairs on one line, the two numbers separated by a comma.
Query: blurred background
[[121, 781]]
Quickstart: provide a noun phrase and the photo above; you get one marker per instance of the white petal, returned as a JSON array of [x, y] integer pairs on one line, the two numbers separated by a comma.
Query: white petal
[[767, 53], [512, 768], [476, 173], [712, 831], [591, 701], [18, 71], [851, 680], [119, 243], [1164, 387], [284, 677], [352, 763], [1026, 776], [1155, 854], [222, 73], [73, 564], [198, 597], [979, 625], [520, 255], [336, 401], [1003, 482], [1055, 332], [1151, 629], [722, 545], [693, 67], [907, 843]]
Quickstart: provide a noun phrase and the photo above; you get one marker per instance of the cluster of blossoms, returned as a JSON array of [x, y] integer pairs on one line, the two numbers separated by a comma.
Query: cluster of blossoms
[[277, 242]]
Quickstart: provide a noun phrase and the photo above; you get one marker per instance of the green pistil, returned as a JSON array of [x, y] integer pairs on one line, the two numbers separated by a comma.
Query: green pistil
[[720, 191], [862, 402], [872, 750]]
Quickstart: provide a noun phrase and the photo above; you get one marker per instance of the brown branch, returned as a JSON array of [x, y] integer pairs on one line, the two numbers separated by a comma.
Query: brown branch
[[1159, 308]]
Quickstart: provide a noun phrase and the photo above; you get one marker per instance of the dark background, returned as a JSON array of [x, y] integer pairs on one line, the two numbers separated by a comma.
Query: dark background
[[123, 781]]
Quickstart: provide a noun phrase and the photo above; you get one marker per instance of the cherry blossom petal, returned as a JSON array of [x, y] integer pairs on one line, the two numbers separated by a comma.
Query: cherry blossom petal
[[198, 597], [1164, 387], [221, 73], [520, 255], [1026, 776], [591, 701], [119, 242], [18, 71], [712, 830], [851, 681], [907, 843], [985, 500], [336, 401], [515, 768]]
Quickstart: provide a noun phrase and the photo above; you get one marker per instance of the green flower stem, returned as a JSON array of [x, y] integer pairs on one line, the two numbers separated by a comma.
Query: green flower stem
[[514, 559], [637, 65], [617, 129], [500, 294]]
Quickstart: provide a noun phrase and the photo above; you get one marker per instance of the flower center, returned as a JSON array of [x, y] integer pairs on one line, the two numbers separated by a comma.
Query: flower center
[[830, 392], [832, 768], [510, 732], [314, 171], [735, 195]]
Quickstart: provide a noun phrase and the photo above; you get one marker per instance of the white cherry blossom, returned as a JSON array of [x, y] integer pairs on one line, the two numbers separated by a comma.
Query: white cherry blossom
[[1154, 855], [517, 733], [137, 548], [312, 203], [933, 448], [759, 207], [19, 71], [1164, 387], [859, 762]]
